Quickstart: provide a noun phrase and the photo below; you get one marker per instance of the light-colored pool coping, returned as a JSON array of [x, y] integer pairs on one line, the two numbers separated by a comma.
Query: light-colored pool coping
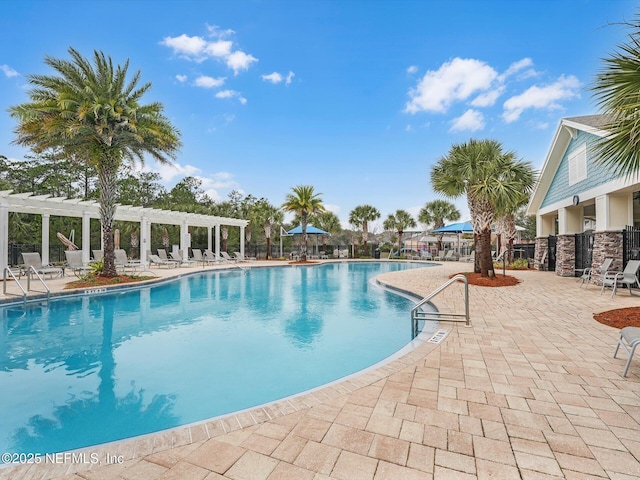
[[530, 390]]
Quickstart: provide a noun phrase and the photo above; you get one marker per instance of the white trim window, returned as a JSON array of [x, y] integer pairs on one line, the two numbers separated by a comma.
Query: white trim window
[[578, 164]]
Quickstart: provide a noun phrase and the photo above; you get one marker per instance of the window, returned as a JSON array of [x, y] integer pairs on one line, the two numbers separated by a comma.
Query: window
[[578, 164]]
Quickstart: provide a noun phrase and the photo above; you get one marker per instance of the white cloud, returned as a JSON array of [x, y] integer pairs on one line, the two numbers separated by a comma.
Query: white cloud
[[231, 94], [289, 79], [471, 120], [181, 78], [274, 77], [454, 81], [412, 69], [239, 60], [517, 66], [199, 49], [546, 97], [186, 45], [220, 48], [408, 128], [8, 71], [209, 82], [487, 99]]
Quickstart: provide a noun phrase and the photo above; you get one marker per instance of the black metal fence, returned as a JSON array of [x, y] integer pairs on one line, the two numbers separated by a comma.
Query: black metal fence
[[584, 250], [630, 244]]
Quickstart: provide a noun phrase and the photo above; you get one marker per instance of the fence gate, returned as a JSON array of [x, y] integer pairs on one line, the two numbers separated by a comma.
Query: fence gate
[[630, 244], [584, 250], [553, 242]]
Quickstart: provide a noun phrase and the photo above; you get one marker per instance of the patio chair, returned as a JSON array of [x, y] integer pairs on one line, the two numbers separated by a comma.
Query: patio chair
[[32, 259], [98, 255], [75, 263], [123, 262], [595, 274], [162, 253], [241, 258], [211, 257], [542, 265], [156, 260], [204, 259], [450, 255], [630, 336], [627, 277], [225, 257], [179, 258]]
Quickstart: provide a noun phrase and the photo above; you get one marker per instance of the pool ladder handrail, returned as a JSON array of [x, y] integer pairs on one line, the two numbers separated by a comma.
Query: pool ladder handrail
[[4, 284], [31, 270], [418, 314]]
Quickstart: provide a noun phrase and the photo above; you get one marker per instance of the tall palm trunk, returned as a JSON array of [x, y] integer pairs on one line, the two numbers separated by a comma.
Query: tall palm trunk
[[267, 234], [303, 248], [482, 213], [107, 180]]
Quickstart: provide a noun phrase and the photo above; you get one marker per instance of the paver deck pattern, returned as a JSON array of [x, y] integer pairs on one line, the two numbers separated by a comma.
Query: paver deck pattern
[[529, 391]]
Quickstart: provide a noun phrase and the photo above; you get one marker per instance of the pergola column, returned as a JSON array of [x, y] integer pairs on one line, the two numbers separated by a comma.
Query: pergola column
[[217, 241], [242, 241], [4, 236], [45, 239], [209, 238], [86, 237], [184, 239], [145, 239]]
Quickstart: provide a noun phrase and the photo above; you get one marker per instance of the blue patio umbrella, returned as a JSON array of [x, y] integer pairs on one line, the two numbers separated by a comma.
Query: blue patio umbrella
[[461, 227], [311, 230]]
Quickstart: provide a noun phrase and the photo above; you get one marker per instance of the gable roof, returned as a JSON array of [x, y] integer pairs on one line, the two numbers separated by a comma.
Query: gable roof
[[566, 131]]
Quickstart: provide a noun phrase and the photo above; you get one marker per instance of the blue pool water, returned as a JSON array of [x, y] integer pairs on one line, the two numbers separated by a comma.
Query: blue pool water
[[85, 370]]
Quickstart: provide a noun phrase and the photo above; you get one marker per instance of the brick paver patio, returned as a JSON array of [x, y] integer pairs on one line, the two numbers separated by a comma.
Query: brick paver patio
[[529, 391]]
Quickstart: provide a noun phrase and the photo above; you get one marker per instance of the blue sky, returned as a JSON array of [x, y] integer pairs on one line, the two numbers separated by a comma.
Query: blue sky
[[357, 98]]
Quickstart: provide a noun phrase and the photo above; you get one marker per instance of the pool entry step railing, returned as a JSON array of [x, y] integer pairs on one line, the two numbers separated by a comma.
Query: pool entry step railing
[[8, 272], [419, 314]]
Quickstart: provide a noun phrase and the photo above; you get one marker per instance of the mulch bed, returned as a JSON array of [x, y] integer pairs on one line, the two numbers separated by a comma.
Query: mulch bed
[[497, 281], [100, 281], [620, 317], [300, 262]]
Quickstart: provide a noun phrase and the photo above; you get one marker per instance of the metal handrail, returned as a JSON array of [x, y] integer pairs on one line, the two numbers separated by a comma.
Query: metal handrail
[[417, 314], [29, 272], [4, 284]]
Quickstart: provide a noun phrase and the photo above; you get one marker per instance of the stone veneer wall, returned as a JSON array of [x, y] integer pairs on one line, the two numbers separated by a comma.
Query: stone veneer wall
[[566, 255], [608, 245], [542, 245]]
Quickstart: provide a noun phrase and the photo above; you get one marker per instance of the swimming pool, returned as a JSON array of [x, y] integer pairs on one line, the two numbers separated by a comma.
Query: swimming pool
[[85, 370]]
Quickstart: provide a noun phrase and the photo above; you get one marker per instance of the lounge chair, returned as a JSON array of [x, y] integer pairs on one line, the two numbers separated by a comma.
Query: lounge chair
[[75, 263], [178, 258], [630, 336], [32, 259], [627, 277], [204, 259], [98, 255], [450, 255], [595, 274], [241, 258], [211, 257], [162, 253], [123, 262], [225, 257], [156, 260]]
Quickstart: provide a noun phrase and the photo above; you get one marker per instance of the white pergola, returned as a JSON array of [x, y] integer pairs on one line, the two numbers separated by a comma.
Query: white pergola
[[46, 205]]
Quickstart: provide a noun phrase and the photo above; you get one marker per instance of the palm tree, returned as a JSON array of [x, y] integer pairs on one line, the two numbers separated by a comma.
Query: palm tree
[[490, 178], [329, 222], [360, 216], [303, 201], [436, 213], [616, 90], [267, 215], [399, 221], [93, 111]]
